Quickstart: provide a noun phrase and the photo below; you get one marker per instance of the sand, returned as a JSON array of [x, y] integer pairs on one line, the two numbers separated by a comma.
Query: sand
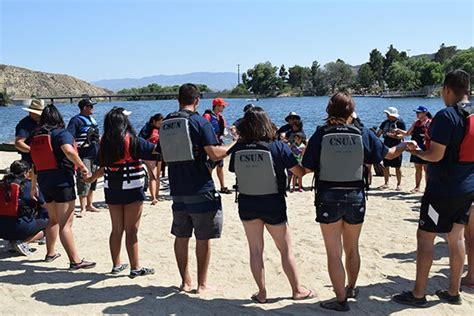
[[387, 246]]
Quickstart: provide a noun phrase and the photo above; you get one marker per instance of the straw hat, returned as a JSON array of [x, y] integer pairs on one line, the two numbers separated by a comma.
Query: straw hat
[[36, 107]]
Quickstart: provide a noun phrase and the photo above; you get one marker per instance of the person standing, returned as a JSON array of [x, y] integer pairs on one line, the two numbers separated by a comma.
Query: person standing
[[25, 128], [186, 140], [337, 152], [468, 280], [151, 133], [85, 130], [217, 120], [418, 131], [54, 158], [391, 138], [449, 193]]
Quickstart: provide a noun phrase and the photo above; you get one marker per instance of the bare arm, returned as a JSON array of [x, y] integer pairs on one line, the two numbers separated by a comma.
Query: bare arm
[[217, 153], [395, 151], [34, 186], [434, 154], [98, 174], [73, 156], [21, 146]]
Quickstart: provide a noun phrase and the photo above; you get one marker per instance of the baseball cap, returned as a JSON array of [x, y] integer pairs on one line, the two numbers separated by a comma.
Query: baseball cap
[[391, 111], [219, 102], [421, 109], [85, 102]]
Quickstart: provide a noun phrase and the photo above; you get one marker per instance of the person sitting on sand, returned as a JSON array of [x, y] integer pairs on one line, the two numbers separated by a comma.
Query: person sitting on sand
[[151, 132], [449, 193], [262, 196], [54, 159], [120, 155], [19, 220], [337, 152]]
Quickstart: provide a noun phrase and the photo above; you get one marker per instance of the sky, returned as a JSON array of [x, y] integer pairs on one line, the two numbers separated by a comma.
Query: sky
[[109, 39]]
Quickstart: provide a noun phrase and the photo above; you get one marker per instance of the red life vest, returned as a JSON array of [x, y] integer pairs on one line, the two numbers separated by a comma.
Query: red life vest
[[43, 155], [154, 136], [466, 150], [127, 173], [9, 201]]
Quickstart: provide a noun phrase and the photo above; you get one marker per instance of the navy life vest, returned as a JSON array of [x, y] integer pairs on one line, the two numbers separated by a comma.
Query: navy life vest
[[217, 121], [10, 203], [342, 157], [255, 170], [125, 174], [44, 155], [88, 133], [175, 139]]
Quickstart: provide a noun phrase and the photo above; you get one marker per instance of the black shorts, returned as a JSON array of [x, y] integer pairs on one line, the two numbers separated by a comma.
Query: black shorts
[[333, 205], [213, 164], [395, 163], [271, 209], [438, 214], [59, 195], [418, 160]]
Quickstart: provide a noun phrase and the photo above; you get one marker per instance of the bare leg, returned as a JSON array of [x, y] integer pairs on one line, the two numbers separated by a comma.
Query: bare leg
[[386, 174], [418, 175], [254, 233], [115, 240], [152, 174], [469, 235], [83, 204], [332, 240], [203, 255], [35, 237], [424, 259], [282, 238], [90, 198], [52, 230], [350, 240], [220, 175], [158, 169], [65, 213], [398, 172], [457, 255], [131, 221], [181, 246]]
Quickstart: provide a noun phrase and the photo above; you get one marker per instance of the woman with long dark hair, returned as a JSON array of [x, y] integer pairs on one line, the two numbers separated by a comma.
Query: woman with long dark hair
[[120, 157], [151, 132], [337, 152], [259, 161], [54, 159]]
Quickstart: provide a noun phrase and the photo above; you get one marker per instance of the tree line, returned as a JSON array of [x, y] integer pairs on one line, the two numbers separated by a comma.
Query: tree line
[[394, 71], [156, 88]]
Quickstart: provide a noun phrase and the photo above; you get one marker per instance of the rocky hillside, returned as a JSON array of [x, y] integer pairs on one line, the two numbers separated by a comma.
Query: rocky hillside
[[24, 83]]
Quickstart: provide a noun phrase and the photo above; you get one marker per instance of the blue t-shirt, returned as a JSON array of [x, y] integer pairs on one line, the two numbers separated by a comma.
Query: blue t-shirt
[[194, 178], [448, 177], [23, 129], [74, 127], [51, 179], [374, 149]]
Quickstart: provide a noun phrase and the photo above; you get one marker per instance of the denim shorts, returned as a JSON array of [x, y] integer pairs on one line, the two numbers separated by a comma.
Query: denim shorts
[[333, 205]]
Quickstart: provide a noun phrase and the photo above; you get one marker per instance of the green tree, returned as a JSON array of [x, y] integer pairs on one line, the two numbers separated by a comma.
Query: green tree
[[391, 56], [376, 65], [365, 76], [240, 89], [299, 77], [463, 60], [283, 74], [262, 79], [318, 86], [401, 77], [338, 75], [444, 53], [431, 73]]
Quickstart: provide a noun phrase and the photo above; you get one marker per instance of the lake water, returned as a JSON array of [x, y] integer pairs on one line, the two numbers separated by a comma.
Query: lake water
[[311, 109]]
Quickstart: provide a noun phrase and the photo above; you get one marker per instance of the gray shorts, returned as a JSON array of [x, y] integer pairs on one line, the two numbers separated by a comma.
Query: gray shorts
[[83, 188], [202, 213]]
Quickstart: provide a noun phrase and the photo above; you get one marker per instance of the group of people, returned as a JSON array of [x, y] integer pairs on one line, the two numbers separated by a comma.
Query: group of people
[[338, 153]]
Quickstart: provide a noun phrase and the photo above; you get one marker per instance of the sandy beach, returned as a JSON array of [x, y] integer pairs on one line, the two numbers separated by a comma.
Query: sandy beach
[[387, 245]]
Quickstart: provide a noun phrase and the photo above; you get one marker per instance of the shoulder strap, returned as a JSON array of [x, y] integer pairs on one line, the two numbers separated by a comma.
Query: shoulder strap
[[85, 120]]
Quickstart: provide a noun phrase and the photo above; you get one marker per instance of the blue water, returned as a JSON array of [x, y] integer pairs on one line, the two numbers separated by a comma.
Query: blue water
[[311, 109]]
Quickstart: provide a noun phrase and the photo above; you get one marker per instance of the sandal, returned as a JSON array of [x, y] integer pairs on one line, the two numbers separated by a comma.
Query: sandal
[[118, 269], [255, 299], [335, 305], [450, 299], [308, 296], [52, 258], [81, 265], [225, 190], [407, 298], [415, 190]]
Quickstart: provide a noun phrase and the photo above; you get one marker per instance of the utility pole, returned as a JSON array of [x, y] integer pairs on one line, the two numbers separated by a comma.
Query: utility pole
[[238, 74]]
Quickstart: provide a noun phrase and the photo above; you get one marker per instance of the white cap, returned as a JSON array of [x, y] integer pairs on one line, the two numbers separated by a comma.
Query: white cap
[[391, 111], [127, 113]]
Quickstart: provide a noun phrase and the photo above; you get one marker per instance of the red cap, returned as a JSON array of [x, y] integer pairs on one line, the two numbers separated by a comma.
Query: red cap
[[219, 102]]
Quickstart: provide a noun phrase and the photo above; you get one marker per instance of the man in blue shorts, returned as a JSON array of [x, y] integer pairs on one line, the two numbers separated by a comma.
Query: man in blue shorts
[[25, 128], [196, 203], [449, 194]]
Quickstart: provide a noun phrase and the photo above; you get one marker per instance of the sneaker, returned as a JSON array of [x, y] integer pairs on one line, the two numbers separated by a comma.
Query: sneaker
[[140, 272], [118, 269], [407, 298], [22, 248], [352, 292], [450, 299], [335, 305], [81, 265]]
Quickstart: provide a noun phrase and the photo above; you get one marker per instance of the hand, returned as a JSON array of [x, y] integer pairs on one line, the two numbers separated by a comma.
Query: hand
[[411, 145], [89, 179], [85, 172]]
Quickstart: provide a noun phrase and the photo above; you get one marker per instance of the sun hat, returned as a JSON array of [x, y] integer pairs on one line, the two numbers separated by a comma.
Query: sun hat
[[36, 107], [219, 102], [391, 111], [421, 109], [294, 115]]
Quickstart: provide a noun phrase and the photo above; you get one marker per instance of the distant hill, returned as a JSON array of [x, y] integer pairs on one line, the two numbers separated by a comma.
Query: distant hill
[[24, 83], [216, 81]]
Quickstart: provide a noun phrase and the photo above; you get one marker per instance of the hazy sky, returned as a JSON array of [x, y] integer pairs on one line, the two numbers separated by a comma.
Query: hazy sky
[[105, 39]]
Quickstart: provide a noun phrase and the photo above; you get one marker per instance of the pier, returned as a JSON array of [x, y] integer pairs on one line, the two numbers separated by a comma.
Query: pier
[[109, 97]]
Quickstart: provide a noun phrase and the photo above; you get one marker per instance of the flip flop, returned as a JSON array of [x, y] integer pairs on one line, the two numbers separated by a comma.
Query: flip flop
[[255, 299], [310, 295], [415, 190]]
